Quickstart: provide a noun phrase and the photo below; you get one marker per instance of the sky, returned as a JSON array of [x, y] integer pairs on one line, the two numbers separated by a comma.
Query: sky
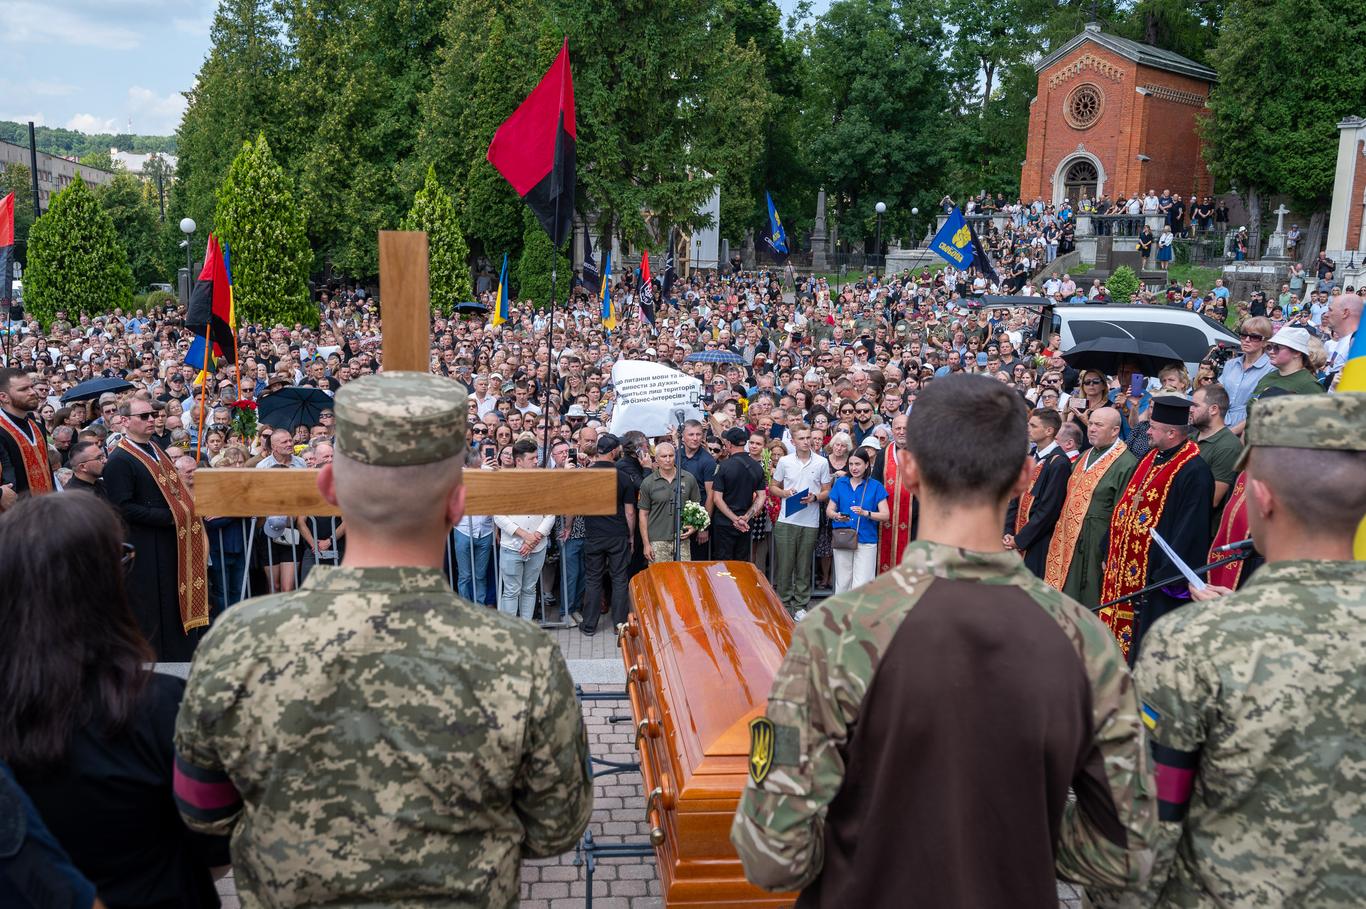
[[110, 66], [95, 65]]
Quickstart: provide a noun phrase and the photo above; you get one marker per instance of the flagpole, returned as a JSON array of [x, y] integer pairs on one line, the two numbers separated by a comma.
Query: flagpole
[[550, 342]]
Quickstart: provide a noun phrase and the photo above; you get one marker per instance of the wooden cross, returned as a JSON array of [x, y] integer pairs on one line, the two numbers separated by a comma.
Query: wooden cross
[[403, 283]]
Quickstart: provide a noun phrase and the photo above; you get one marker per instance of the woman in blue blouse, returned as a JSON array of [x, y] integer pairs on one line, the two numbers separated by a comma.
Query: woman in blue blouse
[[858, 501]]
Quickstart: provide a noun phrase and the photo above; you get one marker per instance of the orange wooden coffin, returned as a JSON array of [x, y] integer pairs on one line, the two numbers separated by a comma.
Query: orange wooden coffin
[[701, 649]]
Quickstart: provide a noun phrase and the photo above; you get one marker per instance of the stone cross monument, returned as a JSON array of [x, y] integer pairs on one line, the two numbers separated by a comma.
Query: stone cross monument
[[820, 241], [1275, 245]]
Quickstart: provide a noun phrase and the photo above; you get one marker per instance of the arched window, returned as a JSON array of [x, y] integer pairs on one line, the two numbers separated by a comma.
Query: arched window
[[1080, 177]]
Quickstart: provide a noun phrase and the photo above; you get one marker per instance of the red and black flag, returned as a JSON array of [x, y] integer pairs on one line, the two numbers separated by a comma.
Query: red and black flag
[[6, 248], [534, 149], [210, 313]]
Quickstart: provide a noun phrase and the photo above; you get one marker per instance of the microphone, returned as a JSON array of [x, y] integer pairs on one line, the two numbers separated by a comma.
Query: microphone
[[1240, 546]]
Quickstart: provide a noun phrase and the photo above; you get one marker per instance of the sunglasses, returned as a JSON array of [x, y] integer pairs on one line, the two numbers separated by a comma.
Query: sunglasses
[[1093, 382], [1251, 336], [1276, 348]]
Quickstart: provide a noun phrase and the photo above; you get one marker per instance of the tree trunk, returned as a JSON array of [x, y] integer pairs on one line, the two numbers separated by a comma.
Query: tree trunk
[[1254, 224], [988, 76], [1312, 240]]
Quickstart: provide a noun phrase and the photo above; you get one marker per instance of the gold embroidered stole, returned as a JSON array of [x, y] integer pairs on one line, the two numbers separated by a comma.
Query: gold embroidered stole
[[32, 454], [1138, 512], [1081, 486], [192, 544]]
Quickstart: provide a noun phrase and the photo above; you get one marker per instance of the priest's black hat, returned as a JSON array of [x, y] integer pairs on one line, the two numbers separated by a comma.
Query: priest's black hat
[[1172, 410]]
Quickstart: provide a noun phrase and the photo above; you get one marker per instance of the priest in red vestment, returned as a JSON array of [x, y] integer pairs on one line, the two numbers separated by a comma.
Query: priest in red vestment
[[900, 527], [1172, 490]]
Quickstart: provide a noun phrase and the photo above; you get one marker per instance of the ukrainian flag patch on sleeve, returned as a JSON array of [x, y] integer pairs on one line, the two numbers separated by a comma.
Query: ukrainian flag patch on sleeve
[[1150, 717]]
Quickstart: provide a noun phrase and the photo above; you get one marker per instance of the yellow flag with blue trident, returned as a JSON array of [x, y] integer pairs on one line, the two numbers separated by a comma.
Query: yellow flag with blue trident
[[500, 302], [609, 315]]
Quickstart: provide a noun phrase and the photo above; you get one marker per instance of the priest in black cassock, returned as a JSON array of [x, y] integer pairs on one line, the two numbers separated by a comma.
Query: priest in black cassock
[[1172, 490], [167, 583], [1030, 519]]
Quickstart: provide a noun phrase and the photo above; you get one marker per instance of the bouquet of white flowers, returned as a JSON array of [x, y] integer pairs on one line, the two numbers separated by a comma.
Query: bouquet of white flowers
[[695, 516]]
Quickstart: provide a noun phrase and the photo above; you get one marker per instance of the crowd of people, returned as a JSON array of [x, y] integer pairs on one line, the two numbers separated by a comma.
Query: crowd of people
[[817, 376], [812, 459]]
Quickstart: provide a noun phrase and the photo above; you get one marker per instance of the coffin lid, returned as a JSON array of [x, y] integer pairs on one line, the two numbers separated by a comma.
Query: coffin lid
[[717, 634]]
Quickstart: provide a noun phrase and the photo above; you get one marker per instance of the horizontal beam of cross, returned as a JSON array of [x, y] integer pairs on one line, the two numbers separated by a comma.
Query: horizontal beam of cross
[[240, 493]]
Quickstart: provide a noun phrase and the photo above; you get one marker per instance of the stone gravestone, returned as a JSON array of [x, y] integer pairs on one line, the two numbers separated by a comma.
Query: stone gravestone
[[1275, 245]]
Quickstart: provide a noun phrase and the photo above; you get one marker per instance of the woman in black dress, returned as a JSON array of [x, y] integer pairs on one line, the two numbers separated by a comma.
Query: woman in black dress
[[85, 726]]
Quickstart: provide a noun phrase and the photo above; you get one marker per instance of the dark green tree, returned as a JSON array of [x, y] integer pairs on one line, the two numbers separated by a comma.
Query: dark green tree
[[75, 260], [17, 179], [101, 159], [258, 217], [878, 112], [1273, 121], [133, 212], [239, 93], [447, 254], [533, 269]]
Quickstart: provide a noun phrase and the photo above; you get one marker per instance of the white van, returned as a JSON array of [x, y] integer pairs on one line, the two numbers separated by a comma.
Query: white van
[[1189, 334]]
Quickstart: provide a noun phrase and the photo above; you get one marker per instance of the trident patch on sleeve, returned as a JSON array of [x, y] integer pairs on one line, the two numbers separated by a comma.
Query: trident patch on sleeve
[[770, 744], [761, 738]]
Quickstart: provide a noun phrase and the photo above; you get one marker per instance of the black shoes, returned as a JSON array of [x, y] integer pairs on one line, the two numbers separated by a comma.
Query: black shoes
[[588, 632]]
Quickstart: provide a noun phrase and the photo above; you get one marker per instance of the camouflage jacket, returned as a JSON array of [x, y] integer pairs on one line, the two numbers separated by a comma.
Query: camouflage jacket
[[1256, 705], [391, 744], [826, 682]]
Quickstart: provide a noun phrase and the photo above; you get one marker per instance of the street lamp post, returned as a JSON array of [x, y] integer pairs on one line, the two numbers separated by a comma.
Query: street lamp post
[[187, 227], [914, 213], [880, 208]]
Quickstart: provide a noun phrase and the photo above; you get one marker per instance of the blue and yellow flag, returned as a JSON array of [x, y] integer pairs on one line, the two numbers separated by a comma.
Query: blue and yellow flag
[[500, 302], [953, 243], [609, 317], [1353, 379], [777, 237]]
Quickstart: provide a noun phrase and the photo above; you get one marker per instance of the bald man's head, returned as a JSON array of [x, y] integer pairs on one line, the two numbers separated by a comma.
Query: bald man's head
[[1102, 427], [1344, 314]]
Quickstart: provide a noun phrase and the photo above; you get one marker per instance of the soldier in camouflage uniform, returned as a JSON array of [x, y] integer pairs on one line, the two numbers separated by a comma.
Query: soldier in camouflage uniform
[[392, 744], [924, 730], [1255, 702]]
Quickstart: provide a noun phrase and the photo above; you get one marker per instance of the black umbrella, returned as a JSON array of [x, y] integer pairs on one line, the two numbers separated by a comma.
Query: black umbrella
[[94, 388], [293, 406], [1107, 354], [472, 308]]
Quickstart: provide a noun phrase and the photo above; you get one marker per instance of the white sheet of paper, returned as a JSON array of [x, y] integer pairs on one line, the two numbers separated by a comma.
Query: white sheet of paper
[[1191, 577]]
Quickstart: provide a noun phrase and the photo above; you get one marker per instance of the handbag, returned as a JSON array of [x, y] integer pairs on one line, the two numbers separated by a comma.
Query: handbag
[[847, 537]]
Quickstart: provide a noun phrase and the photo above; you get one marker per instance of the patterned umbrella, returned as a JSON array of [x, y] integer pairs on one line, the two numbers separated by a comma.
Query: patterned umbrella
[[714, 356]]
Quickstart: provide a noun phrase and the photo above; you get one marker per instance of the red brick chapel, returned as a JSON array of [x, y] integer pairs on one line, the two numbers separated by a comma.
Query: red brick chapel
[[1115, 117]]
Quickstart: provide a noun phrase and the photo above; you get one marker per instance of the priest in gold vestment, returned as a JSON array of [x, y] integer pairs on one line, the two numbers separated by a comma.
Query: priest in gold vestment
[[1077, 550]]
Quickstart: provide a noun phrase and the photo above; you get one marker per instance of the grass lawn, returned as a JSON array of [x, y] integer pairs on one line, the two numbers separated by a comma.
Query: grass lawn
[[1202, 277]]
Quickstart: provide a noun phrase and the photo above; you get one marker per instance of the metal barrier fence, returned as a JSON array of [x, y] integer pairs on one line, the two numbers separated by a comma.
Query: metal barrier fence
[[246, 561]]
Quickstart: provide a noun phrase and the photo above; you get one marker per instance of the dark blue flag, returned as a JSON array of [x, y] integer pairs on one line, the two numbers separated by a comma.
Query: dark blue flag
[[777, 237]]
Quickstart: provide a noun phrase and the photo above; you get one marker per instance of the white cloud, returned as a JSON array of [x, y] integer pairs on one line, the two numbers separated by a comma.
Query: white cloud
[[154, 114], [24, 22], [38, 118], [90, 124]]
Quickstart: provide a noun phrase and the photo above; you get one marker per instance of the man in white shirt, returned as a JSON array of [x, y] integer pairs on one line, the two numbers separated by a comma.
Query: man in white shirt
[[801, 482], [522, 548]]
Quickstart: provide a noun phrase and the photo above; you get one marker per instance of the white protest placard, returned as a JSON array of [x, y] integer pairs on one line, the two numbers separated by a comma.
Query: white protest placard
[[649, 397]]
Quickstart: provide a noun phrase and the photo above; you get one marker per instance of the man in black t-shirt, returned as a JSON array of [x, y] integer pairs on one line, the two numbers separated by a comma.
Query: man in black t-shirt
[[607, 545], [739, 486]]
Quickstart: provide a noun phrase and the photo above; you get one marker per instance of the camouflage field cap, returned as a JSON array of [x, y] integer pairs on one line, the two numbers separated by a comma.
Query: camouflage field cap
[[401, 419], [1335, 422]]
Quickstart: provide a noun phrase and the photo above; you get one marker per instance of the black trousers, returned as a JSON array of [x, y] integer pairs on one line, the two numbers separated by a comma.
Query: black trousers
[[729, 544], [611, 555]]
